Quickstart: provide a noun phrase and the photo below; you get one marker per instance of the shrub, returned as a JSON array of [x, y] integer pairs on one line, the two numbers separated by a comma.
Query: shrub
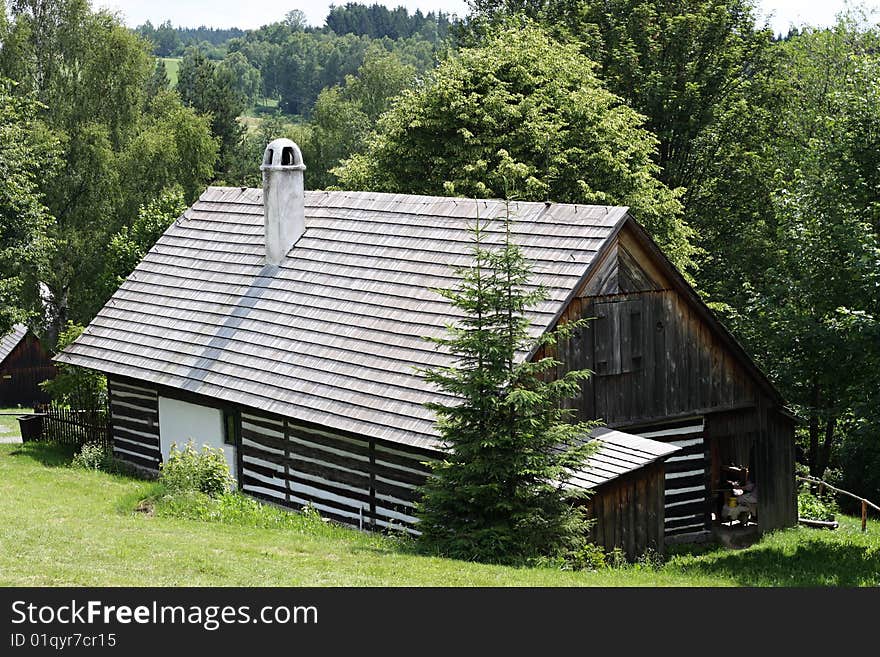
[[94, 456], [816, 507], [588, 557], [191, 471]]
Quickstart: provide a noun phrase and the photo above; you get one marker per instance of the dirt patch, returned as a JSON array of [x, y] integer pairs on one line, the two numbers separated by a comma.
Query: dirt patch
[[146, 507]]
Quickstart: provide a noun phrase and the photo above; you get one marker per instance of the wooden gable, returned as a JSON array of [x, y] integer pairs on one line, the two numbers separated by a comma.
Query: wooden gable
[[656, 350]]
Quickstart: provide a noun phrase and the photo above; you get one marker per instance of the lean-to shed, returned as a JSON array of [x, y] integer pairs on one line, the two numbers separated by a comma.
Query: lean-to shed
[[286, 326]]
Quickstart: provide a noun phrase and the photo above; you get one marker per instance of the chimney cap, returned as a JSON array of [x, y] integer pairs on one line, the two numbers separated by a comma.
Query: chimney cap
[[282, 154]]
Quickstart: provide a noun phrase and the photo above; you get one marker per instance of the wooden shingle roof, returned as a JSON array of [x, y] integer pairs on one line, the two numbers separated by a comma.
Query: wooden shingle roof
[[334, 333], [10, 341], [619, 453]]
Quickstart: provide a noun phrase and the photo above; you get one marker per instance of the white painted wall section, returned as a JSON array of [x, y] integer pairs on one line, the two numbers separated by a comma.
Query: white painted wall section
[[181, 421]]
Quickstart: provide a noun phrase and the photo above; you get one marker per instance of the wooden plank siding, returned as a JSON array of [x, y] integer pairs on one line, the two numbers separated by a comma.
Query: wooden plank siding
[[22, 369], [653, 359], [628, 512], [658, 356], [687, 474]]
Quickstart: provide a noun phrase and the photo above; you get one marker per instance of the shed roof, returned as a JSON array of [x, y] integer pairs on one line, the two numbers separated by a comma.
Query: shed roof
[[619, 453], [10, 341], [333, 334]]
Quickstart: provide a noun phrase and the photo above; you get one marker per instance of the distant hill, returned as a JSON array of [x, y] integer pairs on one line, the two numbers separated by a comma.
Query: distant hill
[[373, 21]]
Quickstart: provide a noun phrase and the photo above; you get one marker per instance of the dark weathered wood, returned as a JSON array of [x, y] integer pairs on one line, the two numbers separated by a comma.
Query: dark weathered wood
[[628, 512], [373, 482], [264, 470], [358, 498], [21, 372], [359, 448], [262, 439], [149, 463], [149, 416], [331, 458], [135, 425], [257, 453]]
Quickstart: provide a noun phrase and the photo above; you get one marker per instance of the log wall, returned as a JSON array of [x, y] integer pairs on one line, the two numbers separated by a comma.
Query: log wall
[[351, 479], [134, 423]]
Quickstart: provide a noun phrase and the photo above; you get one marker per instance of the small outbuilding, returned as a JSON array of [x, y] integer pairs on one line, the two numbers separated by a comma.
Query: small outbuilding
[[626, 477], [287, 327], [24, 364]]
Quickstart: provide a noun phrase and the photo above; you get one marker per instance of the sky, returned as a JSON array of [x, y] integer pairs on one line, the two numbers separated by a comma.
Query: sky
[[253, 14]]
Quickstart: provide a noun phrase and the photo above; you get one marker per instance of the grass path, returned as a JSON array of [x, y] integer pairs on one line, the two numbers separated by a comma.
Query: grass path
[[62, 526], [9, 427]]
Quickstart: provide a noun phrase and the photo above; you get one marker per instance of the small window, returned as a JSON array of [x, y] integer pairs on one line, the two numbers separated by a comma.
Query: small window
[[230, 426], [618, 338]]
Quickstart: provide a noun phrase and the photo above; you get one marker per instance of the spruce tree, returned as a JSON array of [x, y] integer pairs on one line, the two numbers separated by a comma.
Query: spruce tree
[[499, 493]]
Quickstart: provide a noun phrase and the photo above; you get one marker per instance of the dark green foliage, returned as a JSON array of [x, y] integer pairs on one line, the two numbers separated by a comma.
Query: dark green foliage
[[128, 247], [343, 116], [799, 188], [170, 41], [27, 152], [677, 63], [214, 90], [814, 506], [159, 81], [498, 494], [377, 21], [76, 387], [295, 64], [246, 80], [93, 456], [860, 464]]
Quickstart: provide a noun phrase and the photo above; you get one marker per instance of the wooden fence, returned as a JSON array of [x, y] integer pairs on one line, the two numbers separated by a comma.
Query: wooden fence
[[865, 503], [75, 427]]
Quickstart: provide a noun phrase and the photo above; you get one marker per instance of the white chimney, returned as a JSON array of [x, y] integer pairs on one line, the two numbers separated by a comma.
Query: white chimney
[[283, 198]]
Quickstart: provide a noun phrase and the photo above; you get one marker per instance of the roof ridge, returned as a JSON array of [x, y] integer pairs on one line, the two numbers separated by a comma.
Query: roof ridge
[[424, 199]]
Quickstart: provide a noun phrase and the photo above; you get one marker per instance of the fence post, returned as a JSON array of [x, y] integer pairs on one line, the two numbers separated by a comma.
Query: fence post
[[864, 516]]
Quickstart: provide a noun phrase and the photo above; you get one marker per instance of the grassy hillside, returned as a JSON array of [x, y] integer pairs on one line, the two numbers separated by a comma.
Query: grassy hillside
[[172, 66], [62, 526]]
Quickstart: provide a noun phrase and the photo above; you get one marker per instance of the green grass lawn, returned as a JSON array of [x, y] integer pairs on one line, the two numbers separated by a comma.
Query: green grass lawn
[[63, 526], [9, 423]]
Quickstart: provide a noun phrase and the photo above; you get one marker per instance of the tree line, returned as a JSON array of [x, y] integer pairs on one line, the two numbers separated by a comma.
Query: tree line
[[171, 41]]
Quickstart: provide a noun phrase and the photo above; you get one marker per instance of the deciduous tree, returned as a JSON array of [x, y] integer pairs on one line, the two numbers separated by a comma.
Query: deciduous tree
[[521, 95]]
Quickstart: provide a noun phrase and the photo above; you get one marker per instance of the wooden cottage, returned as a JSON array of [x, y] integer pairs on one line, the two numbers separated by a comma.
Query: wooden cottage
[[286, 326], [24, 364]]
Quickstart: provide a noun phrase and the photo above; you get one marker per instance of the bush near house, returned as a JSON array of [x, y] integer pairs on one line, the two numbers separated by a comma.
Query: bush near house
[[189, 471]]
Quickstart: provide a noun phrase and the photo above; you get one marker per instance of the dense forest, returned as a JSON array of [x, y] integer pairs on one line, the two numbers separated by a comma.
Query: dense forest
[[754, 161]]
